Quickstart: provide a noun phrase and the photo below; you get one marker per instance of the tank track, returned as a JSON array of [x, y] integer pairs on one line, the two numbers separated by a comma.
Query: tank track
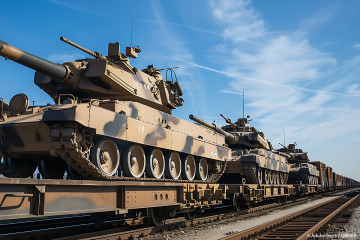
[[76, 154], [251, 175]]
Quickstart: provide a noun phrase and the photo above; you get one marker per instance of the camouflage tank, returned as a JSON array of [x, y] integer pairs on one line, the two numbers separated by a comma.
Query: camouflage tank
[[301, 171], [253, 157], [110, 121]]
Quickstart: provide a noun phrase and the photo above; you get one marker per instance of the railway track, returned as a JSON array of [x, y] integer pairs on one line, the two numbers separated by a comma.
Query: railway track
[[299, 225], [84, 227]]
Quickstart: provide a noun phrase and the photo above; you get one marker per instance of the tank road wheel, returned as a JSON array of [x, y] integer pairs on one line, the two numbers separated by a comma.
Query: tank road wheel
[[276, 178], [155, 216], [271, 177], [155, 165], [18, 168], [286, 177], [267, 176], [173, 166], [52, 169], [190, 215], [189, 168], [259, 174], [201, 169], [105, 156], [134, 161], [281, 175]]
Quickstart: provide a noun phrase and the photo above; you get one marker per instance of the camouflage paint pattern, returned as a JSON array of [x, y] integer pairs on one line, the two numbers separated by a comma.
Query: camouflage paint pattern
[[28, 134], [108, 96]]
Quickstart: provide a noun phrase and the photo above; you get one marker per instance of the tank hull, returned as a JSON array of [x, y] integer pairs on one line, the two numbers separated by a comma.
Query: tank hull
[[259, 166], [32, 135], [303, 173]]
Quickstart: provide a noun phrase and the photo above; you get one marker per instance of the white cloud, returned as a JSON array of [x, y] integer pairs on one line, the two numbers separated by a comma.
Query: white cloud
[[357, 46], [242, 23], [319, 18], [174, 46], [290, 83]]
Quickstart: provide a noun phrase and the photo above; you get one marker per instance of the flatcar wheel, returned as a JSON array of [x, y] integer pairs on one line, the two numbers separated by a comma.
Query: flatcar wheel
[[134, 161], [190, 215], [189, 168], [236, 202], [52, 169], [155, 165], [20, 168], [105, 155], [267, 176], [173, 166], [259, 175], [155, 216], [201, 169]]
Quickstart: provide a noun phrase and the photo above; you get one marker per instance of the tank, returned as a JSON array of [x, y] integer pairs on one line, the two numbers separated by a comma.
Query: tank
[[253, 157], [301, 171], [109, 121]]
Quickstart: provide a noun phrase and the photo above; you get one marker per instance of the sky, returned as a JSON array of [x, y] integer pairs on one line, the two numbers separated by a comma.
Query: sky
[[297, 61]]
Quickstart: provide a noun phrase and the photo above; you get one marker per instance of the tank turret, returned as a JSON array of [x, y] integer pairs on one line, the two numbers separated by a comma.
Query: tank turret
[[301, 171], [247, 137], [295, 154], [105, 77]]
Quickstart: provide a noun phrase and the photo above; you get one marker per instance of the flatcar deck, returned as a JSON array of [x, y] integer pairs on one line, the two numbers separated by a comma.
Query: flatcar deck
[[27, 198]]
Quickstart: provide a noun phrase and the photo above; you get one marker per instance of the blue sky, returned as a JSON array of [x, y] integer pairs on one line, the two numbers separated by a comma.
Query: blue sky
[[298, 61]]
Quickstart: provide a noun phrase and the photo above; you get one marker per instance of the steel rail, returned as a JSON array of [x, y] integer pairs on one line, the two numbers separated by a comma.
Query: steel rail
[[319, 225], [307, 227], [78, 225], [176, 223]]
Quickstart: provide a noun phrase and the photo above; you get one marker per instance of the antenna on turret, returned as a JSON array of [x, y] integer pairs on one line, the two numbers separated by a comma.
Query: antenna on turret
[[243, 103], [284, 136], [132, 30]]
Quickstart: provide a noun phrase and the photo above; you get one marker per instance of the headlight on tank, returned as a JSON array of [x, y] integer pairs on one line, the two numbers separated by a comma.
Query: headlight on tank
[[19, 104]]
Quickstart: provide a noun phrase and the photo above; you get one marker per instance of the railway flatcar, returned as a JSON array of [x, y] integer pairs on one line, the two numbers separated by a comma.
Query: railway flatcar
[[329, 175], [323, 177]]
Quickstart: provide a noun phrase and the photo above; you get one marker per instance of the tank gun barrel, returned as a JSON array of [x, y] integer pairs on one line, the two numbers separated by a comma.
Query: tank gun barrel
[[228, 120], [54, 70], [94, 54], [283, 146], [229, 136]]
